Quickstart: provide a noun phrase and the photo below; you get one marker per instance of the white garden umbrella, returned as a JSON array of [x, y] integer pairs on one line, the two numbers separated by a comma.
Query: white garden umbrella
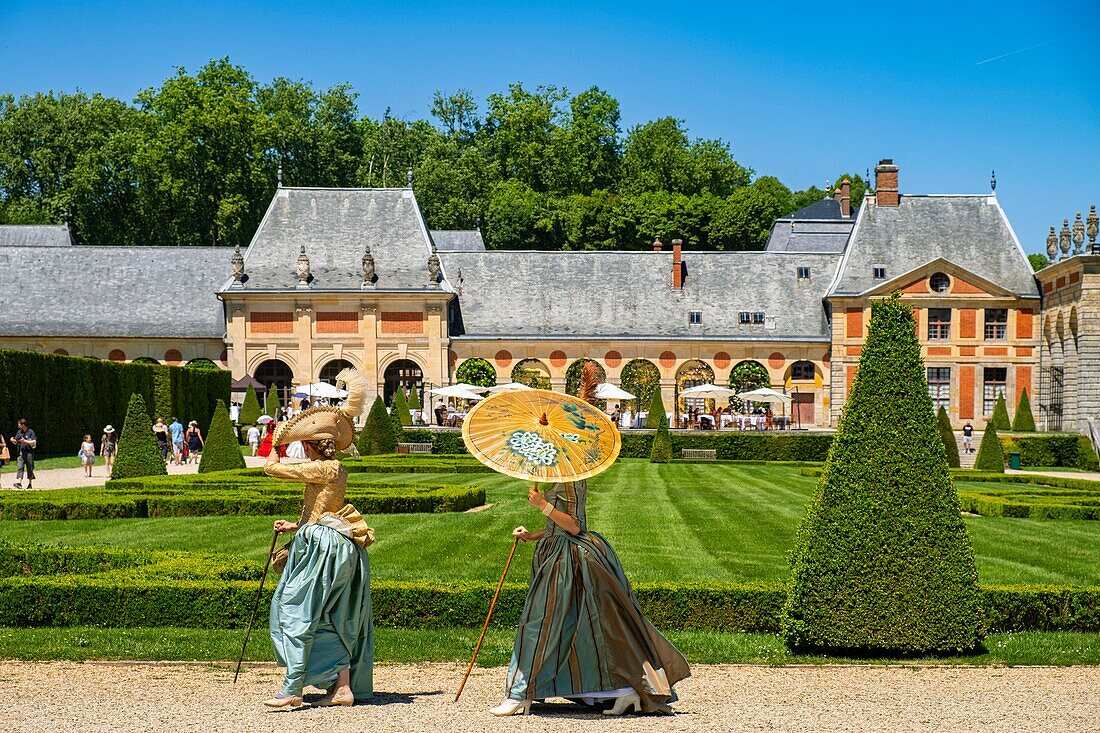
[[264, 419], [708, 392], [764, 394], [458, 391], [320, 389], [471, 387], [509, 387], [608, 391]]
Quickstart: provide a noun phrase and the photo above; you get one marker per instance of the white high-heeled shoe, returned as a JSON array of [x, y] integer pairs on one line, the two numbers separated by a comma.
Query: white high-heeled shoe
[[631, 702], [512, 707]]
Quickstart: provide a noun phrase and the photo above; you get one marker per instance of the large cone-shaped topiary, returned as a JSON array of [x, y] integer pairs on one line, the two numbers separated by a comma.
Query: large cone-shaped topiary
[[991, 454], [222, 452], [656, 416], [1024, 421], [271, 402], [138, 454], [400, 407], [883, 563], [377, 436], [250, 408], [1000, 414], [661, 452], [947, 435]]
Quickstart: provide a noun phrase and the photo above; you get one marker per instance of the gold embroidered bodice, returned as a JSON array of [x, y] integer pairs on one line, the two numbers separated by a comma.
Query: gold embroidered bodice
[[326, 484]]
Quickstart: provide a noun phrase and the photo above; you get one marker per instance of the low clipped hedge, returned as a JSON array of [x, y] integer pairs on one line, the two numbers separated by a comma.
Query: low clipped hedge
[[415, 464], [732, 446], [49, 585], [1051, 449]]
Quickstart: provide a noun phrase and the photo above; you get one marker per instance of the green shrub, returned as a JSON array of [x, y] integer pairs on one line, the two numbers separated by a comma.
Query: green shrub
[[1086, 455], [656, 416], [947, 436], [399, 407], [991, 455], [64, 397], [138, 454], [221, 452], [1024, 421], [377, 435], [444, 442], [271, 402], [1000, 414], [414, 399], [883, 562], [250, 408], [662, 446]]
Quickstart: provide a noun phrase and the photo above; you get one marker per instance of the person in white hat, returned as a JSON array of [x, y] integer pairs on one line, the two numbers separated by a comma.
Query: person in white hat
[[108, 447]]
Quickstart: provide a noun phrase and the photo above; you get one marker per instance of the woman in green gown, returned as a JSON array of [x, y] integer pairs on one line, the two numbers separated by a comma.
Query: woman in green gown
[[582, 634]]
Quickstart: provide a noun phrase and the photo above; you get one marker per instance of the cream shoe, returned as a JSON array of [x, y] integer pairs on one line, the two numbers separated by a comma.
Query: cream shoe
[[288, 701], [335, 699], [625, 703], [512, 707]]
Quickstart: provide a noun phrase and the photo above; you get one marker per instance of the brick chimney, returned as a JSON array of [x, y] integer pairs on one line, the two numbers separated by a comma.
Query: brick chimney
[[846, 198], [657, 244], [677, 264], [886, 183], [836, 194]]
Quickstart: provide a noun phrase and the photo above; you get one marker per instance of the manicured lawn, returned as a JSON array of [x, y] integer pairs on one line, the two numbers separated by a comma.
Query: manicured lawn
[[682, 521], [451, 644]]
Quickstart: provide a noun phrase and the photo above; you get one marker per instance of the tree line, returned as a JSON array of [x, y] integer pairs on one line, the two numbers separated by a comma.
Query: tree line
[[195, 160]]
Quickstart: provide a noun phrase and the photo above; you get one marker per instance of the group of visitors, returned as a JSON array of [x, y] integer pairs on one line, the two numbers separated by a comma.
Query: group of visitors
[[185, 445], [23, 444]]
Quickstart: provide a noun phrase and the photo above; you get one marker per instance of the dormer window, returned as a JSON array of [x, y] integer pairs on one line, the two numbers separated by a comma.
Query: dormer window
[[803, 273], [744, 317], [879, 272], [695, 317], [758, 318]]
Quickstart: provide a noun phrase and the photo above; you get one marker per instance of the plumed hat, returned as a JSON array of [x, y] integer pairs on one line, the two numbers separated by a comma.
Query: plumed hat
[[333, 423]]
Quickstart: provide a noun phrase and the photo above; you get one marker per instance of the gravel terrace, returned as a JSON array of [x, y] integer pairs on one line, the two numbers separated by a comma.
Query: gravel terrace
[[171, 698]]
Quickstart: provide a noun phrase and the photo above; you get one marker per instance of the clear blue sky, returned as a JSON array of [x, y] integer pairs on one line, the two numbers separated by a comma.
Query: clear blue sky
[[802, 92]]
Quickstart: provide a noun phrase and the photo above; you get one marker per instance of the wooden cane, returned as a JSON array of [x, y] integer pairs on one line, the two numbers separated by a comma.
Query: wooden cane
[[256, 604], [485, 626]]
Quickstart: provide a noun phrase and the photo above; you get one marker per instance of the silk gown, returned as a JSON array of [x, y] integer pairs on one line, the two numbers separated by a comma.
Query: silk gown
[[582, 631], [321, 621]]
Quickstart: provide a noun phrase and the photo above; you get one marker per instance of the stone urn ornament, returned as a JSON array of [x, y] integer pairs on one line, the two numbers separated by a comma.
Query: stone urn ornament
[[236, 266], [1078, 234], [1092, 228], [369, 273], [1052, 245], [434, 270], [302, 270], [1063, 238]]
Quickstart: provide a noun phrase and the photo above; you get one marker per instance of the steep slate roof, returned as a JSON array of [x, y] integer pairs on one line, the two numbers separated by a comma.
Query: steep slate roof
[[151, 292], [512, 294], [827, 208], [35, 235], [971, 231], [790, 235], [335, 224], [458, 240]]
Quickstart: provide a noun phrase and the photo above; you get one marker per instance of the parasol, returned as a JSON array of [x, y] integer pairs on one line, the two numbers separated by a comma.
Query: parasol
[[456, 391], [540, 435], [764, 394], [471, 387], [608, 391], [264, 419], [708, 392], [320, 389], [509, 387]]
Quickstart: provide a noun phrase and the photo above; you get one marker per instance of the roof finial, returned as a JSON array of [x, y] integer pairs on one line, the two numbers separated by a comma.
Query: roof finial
[[434, 270], [409, 177], [1092, 226], [1078, 234], [1064, 238], [369, 274], [1052, 245], [279, 175], [993, 181], [302, 269], [236, 266]]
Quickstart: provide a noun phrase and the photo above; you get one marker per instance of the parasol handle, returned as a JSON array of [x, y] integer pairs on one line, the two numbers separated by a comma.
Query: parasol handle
[[485, 626]]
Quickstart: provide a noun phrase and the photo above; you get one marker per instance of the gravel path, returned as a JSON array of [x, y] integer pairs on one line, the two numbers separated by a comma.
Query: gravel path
[[74, 478], [118, 698]]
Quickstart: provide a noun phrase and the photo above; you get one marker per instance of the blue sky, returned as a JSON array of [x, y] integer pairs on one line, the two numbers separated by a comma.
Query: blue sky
[[950, 91]]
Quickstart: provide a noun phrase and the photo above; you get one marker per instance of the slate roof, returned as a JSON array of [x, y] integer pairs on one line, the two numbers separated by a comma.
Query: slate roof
[[971, 231], [335, 224], [35, 235], [533, 294], [458, 240], [150, 292], [827, 208], [791, 235]]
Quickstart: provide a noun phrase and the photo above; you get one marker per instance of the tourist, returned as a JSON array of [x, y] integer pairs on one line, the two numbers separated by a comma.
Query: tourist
[[108, 447], [616, 415], [176, 429], [194, 442], [320, 618], [254, 438], [968, 438], [25, 441], [582, 634], [87, 455], [5, 456], [164, 438], [234, 412]]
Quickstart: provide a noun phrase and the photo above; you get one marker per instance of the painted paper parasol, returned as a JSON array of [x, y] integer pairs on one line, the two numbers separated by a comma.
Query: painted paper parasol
[[540, 435]]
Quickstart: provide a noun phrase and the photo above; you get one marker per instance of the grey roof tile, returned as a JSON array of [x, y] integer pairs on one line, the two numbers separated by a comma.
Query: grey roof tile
[[514, 294], [968, 230], [35, 235], [828, 208], [458, 240], [150, 292]]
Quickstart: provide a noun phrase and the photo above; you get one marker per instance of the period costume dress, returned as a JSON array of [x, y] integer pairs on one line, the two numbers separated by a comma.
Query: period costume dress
[[582, 633], [320, 621]]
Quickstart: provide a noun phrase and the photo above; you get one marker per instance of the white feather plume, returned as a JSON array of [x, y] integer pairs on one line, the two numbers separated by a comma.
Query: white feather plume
[[356, 386]]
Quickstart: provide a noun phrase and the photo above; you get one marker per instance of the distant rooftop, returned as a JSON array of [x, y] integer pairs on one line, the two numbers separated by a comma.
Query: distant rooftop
[[35, 235], [458, 240]]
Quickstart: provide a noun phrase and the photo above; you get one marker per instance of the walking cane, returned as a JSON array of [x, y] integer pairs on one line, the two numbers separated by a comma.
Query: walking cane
[[485, 626], [256, 604]]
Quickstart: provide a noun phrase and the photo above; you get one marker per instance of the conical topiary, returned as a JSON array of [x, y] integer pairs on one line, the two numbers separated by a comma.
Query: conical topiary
[[1000, 414], [883, 562], [400, 407], [414, 399], [138, 454], [250, 408], [222, 452], [947, 435], [1024, 421], [271, 403], [377, 434], [656, 416], [991, 454], [661, 452]]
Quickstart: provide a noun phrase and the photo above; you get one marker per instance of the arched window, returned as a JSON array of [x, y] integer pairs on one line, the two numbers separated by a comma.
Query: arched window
[[533, 373], [334, 367], [691, 374], [477, 372], [404, 373], [640, 377], [276, 374], [747, 375], [802, 371]]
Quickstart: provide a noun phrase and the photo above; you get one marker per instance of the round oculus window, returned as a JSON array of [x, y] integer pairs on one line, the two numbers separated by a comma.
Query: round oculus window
[[939, 283]]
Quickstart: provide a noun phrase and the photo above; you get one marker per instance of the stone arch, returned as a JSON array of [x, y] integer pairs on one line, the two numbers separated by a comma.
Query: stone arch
[[640, 377], [173, 356], [328, 372], [531, 372], [802, 370], [145, 360], [1073, 326], [405, 373], [278, 375], [476, 371], [117, 355], [573, 374], [201, 362], [691, 373], [745, 375]]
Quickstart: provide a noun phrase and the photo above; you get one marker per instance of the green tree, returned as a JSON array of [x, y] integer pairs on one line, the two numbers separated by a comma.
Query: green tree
[[857, 189], [250, 408], [1024, 421], [414, 399], [744, 220], [656, 416], [947, 435], [640, 377], [399, 407], [477, 372], [138, 454], [991, 454], [657, 156], [882, 561], [661, 452], [377, 435], [520, 218], [221, 452], [1000, 414], [271, 402], [1038, 261]]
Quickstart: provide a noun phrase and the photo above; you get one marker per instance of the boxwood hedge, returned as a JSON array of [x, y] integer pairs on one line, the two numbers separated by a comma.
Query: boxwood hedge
[[1051, 449]]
